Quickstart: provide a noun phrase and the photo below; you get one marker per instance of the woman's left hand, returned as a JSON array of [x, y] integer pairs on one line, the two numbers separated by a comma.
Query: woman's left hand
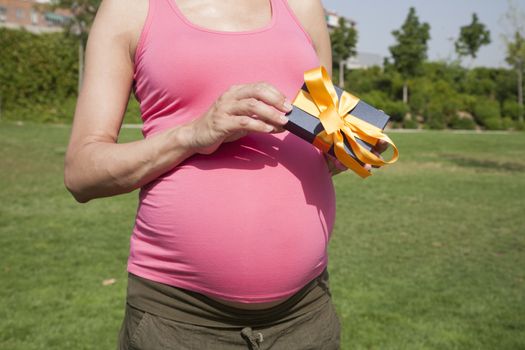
[[336, 167]]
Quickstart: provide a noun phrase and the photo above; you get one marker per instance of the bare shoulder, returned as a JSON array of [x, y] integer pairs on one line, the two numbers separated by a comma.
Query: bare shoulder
[[108, 70], [311, 15], [306, 9], [139, 9], [122, 19]]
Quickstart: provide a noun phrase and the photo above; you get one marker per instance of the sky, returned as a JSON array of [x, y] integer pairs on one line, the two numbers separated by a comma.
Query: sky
[[376, 19]]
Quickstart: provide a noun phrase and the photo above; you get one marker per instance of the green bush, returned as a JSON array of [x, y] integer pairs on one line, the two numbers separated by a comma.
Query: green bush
[[493, 123], [421, 92], [467, 103], [462, 124], [507, 123], [38, 82], [436, 114], [395, 125], [410, 124], [39, 78], [377, 99], [436, 124], [36, 70], [364, 81], [54, 111], [487, 112], [512, 109], [396, 110]]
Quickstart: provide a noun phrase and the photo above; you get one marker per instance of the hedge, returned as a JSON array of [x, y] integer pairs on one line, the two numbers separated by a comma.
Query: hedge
[[39, 77]]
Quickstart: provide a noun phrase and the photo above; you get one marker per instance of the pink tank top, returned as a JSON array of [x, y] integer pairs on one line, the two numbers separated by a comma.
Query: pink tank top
[[250, 222]]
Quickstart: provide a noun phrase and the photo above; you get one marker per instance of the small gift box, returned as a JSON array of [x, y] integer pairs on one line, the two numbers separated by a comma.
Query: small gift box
[[338, 123]]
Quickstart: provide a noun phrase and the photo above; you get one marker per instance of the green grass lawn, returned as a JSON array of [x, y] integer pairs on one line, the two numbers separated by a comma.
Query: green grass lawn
[[426, 254]]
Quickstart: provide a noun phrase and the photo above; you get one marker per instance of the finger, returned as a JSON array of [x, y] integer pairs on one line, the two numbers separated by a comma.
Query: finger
[[336, 162], [265, 93], [331, 166], [259, 109], [378, 155], [381, 146]]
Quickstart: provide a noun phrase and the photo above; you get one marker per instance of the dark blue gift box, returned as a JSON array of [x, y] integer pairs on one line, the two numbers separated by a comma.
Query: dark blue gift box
[[307, 126]]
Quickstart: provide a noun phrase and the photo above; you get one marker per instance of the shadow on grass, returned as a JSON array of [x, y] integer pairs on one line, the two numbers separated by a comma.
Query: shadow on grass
[[483, 164]]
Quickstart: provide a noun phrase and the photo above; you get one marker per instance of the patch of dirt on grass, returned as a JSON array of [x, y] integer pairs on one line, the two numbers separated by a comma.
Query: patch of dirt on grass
[[414, 166], [484, 164]]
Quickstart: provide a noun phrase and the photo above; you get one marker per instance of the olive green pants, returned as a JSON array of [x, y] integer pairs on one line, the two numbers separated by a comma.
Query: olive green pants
[[165, 317]]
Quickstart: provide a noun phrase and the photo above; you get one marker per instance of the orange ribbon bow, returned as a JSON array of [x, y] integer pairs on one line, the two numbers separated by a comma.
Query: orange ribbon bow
[[322, 102]]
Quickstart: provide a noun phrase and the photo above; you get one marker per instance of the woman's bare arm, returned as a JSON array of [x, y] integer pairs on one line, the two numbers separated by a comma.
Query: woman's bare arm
[[311, 15], [96, 166]]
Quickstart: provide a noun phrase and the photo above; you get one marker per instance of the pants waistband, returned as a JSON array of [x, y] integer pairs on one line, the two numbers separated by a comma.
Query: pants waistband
[[194, 308]]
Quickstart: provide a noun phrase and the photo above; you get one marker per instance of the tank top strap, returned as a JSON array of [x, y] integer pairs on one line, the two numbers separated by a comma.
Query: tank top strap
[[285, 15]]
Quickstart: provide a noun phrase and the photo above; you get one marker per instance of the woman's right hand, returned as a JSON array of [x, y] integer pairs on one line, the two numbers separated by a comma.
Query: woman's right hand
[[242, 109]]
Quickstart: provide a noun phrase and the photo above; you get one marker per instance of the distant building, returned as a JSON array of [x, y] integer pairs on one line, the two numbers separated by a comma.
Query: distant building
[[31, 15], [332, 20], [362, 60], [365, 60]]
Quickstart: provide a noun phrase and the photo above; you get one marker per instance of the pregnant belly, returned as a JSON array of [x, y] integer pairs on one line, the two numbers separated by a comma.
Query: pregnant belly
[[249, 224]]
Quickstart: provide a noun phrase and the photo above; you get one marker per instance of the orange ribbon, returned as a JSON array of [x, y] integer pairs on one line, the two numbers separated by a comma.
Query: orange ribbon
[[322, 102]]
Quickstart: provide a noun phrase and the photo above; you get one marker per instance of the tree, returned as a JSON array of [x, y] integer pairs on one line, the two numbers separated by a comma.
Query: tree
[[344, 40], [472, 37], [83, 13], [411, 49], [514, 26], [516, 58]]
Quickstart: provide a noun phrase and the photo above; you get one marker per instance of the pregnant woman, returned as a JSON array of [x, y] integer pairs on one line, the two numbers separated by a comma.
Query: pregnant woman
[[229, 246]]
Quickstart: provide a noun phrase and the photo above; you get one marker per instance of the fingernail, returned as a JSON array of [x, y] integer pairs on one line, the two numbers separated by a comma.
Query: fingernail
[[288, 105], [285, 119]]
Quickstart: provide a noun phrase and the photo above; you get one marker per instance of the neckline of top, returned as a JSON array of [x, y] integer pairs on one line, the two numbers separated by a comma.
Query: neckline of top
[[264, 28]]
